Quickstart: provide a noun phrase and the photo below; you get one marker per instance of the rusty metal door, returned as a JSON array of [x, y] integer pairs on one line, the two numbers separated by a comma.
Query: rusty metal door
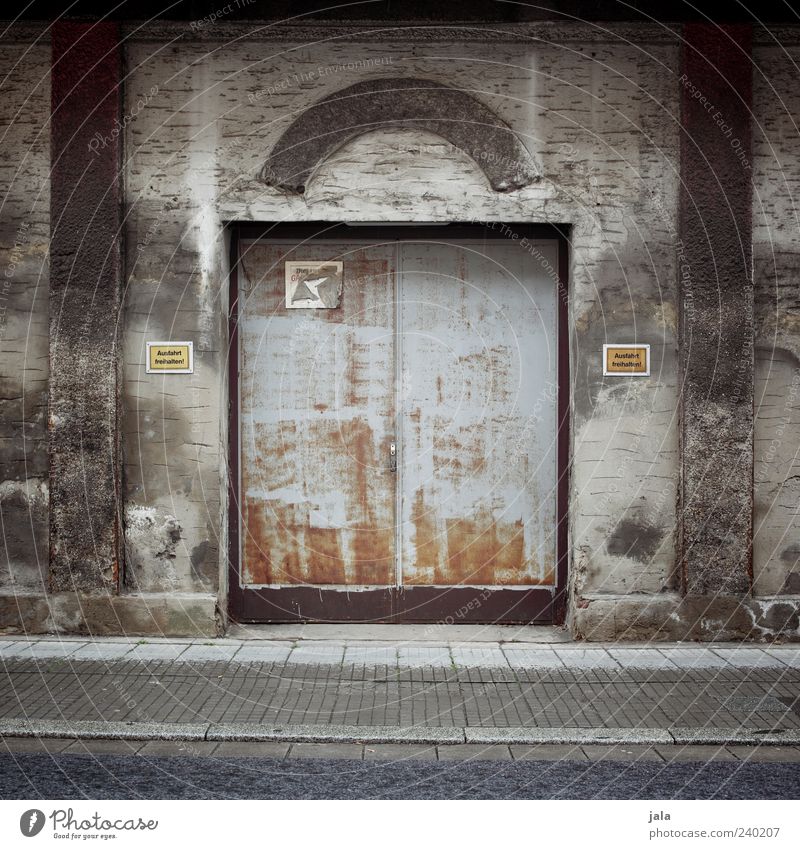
[[397, 447], [317, 402], [478, 414]]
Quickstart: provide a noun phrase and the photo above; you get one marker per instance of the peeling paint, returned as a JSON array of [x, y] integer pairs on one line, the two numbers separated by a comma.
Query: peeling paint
[[153, 544]]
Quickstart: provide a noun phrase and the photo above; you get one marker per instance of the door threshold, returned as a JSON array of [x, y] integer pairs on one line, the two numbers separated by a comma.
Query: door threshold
[[433, 633]]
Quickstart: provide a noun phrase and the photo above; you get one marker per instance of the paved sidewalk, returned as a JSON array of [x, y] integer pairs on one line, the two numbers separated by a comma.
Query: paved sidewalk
[[483, 693]]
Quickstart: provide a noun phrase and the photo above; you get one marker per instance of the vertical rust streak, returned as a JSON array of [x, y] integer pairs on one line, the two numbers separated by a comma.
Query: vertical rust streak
[[425, 543]]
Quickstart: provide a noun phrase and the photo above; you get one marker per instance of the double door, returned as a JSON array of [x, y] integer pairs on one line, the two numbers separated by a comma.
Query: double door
[[397, 433]]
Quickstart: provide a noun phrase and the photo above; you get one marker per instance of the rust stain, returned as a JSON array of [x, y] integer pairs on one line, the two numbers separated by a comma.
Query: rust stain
[[348, 446], [274, 446], [348, 302], [373, 556], [282, 547], [479, 551], [439, 390], [363, 278], [460, 454], [482, 551], [549, 576], [270, 557], [357, 437], [500, 364], [274, 553], [425, 542], [486, 374], [361, 274], [257, 556], [461, 263], [357, 374], [323, 555], [282, 540], [270, 545], [415, 417]]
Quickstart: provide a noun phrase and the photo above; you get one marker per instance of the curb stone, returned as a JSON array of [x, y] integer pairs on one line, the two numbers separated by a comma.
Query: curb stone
[[337, 733], [100, 730], [430, 735], [576, 736], [735, 736]]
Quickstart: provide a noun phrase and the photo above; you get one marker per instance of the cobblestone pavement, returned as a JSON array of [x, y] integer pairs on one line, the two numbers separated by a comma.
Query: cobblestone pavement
[[487, 685]]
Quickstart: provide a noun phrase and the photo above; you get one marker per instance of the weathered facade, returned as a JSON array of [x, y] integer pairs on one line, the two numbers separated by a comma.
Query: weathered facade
[[664, 160]]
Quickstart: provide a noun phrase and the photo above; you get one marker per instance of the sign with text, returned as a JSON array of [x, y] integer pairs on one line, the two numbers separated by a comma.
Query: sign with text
[[630, 359], [313, 285], [170, 357]]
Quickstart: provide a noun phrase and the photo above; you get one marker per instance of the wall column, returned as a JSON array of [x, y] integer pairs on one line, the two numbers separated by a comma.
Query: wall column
[[85, 278], [716, 345]]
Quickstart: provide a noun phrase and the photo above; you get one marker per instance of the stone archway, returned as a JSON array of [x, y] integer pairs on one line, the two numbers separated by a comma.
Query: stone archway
[[380, 104]]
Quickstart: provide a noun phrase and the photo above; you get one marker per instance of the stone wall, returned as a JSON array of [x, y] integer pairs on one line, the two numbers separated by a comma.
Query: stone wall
[[24, 233], [776, 258]]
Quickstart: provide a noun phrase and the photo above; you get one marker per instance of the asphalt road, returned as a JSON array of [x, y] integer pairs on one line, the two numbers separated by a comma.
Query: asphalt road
[[32, 776]]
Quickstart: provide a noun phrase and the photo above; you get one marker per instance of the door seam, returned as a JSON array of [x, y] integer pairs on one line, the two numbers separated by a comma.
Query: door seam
[[398, 417]]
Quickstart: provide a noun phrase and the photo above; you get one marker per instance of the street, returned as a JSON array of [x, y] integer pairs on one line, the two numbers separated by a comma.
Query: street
[[103, 776]]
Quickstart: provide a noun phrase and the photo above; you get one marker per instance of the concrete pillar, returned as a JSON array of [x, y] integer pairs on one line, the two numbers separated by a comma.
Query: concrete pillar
[[86, 139], [716, 343]]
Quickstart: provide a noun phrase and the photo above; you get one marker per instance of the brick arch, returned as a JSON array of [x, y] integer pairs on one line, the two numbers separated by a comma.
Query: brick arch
[[395, 103]]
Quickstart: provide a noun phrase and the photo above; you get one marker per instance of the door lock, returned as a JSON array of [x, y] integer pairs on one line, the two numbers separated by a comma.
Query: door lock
[[392, 457]]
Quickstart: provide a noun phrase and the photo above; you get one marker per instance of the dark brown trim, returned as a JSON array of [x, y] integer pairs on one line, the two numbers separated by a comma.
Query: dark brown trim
[[536, 605], [390, 231], [563, 433], [236, 600], [448, 605]]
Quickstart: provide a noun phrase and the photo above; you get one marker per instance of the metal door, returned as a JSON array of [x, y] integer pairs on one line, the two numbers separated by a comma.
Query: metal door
[[477, 415], [317, 402], [398, 451]]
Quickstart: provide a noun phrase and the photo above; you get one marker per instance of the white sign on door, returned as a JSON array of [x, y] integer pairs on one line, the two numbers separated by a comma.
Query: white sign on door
[[313, 285]]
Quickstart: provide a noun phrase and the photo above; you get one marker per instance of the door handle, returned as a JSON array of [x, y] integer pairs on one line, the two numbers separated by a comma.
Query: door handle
[[392, 457]]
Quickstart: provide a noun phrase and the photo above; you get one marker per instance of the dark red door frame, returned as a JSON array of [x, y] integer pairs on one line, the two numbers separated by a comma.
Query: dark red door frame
[[462, 605]]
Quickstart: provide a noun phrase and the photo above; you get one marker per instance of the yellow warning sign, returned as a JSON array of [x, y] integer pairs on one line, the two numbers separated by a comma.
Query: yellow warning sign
[[626, 359], [170, 357]]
